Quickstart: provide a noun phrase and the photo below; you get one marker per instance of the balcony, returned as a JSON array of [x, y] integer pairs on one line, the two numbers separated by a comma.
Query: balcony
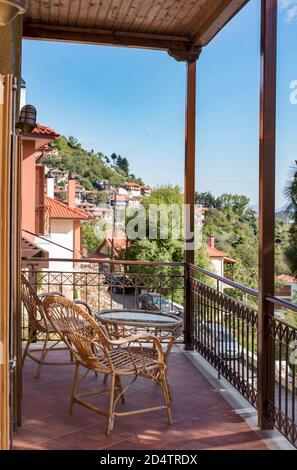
[[221, 329]]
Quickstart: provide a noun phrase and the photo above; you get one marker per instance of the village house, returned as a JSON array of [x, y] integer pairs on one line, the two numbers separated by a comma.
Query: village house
[[33, 207], [219, 260], [287, 288], [133, 189], [48, 223], [114, 244]]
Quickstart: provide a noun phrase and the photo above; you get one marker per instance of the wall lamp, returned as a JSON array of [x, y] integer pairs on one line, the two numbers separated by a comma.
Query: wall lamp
[[27, 121]]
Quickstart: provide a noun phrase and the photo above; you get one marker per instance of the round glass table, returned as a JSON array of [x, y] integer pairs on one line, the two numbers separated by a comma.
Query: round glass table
[[125, 323]]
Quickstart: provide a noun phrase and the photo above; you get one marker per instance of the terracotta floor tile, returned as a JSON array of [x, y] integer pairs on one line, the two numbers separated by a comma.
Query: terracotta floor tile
[[202, 419]]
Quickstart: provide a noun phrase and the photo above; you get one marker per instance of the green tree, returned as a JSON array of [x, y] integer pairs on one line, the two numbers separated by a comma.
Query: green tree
[[73, 143], [90, 166], [90, 239], [206, 199], [123, 164], [291, 193]]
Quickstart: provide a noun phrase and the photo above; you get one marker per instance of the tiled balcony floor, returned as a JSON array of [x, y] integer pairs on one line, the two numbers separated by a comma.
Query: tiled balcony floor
[[202, 419]]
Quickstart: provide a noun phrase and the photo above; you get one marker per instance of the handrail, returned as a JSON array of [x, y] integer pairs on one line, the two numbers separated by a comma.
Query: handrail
[[102, 261], [224, 280], [281, 303]]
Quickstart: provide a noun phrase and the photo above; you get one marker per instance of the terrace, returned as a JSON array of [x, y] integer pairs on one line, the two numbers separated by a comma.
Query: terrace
[[214, 425], [262, 372]]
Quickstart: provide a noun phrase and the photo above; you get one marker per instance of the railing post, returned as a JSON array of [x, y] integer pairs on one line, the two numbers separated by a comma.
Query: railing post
[[266, 363], [190, 153], [189, 311], [33, 280]]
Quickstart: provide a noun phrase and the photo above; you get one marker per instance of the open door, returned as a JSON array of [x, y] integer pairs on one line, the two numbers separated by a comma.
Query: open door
[[9, 263]]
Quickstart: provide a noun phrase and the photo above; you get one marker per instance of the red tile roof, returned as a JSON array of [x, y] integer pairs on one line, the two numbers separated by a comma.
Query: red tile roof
[[214, 253], [135, 185], [59, 210], [45, 131], [120, 241], [286, 278]]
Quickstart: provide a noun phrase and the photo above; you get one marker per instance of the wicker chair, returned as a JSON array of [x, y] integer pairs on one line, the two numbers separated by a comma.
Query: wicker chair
[[39, 326], [93, 349]]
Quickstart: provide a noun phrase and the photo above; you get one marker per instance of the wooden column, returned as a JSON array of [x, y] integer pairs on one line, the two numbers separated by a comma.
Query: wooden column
[[266, 372], [189, 197], [10, 59], [5, 174]]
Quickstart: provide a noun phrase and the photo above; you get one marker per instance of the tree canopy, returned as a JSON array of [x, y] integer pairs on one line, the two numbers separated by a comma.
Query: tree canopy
[[291, 193]]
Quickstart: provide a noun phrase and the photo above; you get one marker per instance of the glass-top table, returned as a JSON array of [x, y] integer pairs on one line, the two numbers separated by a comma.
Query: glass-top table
[[136, 317], [121, 324]]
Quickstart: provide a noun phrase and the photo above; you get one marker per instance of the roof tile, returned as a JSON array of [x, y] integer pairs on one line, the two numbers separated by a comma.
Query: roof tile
[[59, 210], [45, 131]]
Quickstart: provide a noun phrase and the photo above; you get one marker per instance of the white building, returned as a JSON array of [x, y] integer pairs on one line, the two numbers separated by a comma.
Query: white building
[[63, 231]]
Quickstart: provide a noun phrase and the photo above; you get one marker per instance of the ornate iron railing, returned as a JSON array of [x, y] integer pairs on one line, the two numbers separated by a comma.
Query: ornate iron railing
[[282, 406], [225, 333], [110, 285]]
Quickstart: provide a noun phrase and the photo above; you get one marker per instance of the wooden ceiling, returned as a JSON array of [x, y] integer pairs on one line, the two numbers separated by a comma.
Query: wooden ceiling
[[177, 25]]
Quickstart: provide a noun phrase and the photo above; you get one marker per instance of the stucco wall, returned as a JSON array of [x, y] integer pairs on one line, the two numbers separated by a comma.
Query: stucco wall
[[61, 233], [28, 187]]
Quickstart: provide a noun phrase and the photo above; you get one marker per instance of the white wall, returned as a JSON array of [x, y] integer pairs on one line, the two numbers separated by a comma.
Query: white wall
[[218, 268], [61, 233]]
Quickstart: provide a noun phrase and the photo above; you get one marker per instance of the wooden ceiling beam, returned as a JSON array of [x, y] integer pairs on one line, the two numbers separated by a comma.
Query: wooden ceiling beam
[[190, 55], [105, 37], [217, 22]]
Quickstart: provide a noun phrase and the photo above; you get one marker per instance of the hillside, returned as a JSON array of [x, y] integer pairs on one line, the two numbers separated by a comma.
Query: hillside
[[91, 166]]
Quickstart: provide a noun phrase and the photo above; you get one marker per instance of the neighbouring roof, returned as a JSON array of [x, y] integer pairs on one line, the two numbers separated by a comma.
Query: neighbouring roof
[[286, 278], [133, 185], [59, 210], [45, 131], [214, 253], [120, 241], [56, 171], [60, 190], [30, 250]]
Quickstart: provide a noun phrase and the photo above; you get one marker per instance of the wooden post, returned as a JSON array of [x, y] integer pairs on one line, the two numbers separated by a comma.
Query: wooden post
[[6, 93], [266, 372], [189, 197], [10, 61]]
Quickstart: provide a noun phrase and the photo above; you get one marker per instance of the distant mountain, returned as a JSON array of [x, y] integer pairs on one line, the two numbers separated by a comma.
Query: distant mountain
[[281, 212]]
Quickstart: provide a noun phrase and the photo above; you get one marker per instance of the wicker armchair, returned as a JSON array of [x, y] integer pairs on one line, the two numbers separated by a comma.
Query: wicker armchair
[[39, 326], [93, 349]]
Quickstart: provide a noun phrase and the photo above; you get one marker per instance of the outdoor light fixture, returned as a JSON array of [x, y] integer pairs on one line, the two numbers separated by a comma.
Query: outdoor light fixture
[[27, 120], [9, 9]]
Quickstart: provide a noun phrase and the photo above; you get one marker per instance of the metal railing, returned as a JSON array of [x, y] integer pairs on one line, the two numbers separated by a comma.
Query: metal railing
[[282, 407], [222, 316], [225, 333], [107, 285]]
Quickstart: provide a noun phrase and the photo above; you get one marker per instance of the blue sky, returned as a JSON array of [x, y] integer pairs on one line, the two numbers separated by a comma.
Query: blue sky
[[132, 102]]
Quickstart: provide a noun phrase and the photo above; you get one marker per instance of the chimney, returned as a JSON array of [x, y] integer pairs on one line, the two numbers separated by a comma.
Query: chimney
[[50, 185], [71, 191], [211, 242]]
